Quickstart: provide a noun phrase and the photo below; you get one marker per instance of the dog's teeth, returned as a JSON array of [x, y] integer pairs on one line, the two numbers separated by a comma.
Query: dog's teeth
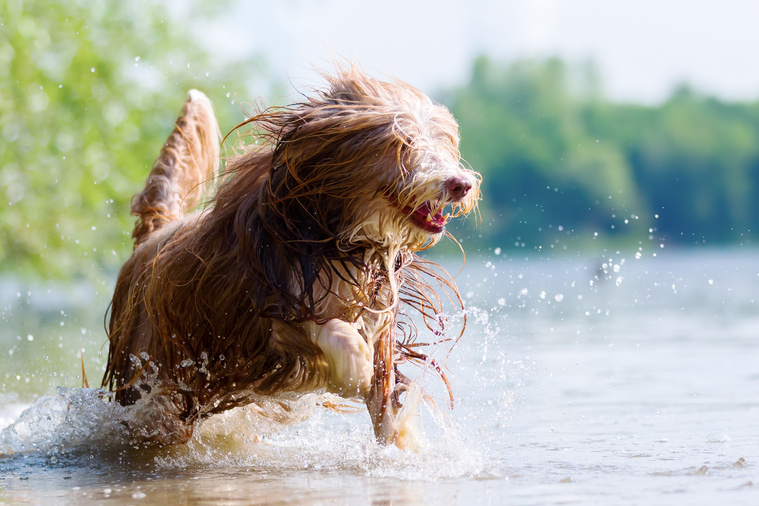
[[429, 216]]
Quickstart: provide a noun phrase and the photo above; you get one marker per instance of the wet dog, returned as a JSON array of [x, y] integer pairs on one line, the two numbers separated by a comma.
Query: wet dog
[[297, 274]]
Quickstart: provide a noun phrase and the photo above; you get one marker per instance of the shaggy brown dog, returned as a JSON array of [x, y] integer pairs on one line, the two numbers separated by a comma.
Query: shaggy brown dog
[[292, 280]]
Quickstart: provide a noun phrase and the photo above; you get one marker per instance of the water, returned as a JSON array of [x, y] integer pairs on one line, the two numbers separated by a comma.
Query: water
[[583, 380]]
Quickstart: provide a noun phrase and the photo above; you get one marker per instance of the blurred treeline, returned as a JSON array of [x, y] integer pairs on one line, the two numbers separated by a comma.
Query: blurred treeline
[[563, 166], [89, 90]]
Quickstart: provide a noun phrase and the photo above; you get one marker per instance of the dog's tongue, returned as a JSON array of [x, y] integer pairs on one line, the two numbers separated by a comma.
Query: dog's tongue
[[423, 218]]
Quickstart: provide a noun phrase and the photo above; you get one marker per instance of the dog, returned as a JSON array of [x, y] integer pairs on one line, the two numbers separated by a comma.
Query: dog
[[297, 275]]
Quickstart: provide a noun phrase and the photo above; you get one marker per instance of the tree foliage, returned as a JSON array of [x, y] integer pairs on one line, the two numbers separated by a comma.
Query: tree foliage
[[561, 164], [88, 92]]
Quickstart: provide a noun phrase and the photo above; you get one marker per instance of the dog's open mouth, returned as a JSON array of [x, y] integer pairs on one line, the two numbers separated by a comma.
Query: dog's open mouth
[[425, 218]]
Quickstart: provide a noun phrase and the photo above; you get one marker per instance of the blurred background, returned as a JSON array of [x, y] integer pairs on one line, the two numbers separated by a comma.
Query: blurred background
[[597, 126]]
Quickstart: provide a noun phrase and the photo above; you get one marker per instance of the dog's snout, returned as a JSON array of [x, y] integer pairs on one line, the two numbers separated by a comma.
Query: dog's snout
[[458, 187]]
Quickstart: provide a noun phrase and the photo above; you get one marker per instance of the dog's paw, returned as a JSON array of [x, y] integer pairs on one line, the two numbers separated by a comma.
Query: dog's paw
[[348, 357]]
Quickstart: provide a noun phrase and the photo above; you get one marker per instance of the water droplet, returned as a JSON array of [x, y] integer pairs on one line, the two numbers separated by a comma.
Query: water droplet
[[717, 437]]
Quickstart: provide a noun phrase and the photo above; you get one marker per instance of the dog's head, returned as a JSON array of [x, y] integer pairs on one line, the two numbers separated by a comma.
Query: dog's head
[[419, 180], [366, 161]]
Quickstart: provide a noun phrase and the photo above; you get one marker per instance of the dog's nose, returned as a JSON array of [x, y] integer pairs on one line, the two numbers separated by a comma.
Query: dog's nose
[[458, 187]]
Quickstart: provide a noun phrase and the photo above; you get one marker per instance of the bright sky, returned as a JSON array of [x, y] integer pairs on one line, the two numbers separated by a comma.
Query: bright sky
[[643, 48]]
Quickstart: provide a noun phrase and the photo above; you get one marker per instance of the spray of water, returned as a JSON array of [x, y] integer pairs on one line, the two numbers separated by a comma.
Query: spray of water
[[312, 432]]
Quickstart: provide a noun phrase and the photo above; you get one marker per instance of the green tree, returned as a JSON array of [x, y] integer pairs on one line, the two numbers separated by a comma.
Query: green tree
[[554, 153], [546, 180], [695, 161], [88, 92]]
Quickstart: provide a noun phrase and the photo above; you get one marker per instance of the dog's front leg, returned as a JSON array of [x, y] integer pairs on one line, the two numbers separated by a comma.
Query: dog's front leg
[[348, 357]]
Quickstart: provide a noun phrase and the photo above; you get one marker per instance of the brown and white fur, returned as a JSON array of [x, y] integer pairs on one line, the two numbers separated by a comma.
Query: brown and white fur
[[292, 279]]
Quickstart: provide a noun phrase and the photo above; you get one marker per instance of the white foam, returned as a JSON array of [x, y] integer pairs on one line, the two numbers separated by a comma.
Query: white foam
[[72, 417], [272, 437]]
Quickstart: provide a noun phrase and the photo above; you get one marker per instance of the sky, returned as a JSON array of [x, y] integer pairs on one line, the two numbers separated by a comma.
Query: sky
[[643, 48]]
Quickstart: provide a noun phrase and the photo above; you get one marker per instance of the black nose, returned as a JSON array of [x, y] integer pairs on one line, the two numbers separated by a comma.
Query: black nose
[[458, 187]]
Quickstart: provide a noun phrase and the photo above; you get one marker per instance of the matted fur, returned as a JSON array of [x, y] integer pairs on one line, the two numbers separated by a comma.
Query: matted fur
[[292, 280]]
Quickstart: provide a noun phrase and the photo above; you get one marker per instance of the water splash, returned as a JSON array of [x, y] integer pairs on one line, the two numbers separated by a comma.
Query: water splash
[[332, 442], [72, 417], [270, 435]]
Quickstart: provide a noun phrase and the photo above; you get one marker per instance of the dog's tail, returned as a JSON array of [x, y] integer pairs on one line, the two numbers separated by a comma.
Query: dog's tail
[[188, 160]]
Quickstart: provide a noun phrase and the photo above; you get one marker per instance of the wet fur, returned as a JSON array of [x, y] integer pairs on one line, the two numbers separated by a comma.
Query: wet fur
[[293, 278]]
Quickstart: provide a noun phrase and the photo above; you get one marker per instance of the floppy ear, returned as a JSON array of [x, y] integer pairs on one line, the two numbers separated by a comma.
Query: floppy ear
[[189, 158]]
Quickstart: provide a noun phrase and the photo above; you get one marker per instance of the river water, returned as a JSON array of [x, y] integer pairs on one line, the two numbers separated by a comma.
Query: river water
[[609, 379]]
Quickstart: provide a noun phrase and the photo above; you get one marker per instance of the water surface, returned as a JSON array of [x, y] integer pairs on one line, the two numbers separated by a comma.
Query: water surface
[[580, 380]]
